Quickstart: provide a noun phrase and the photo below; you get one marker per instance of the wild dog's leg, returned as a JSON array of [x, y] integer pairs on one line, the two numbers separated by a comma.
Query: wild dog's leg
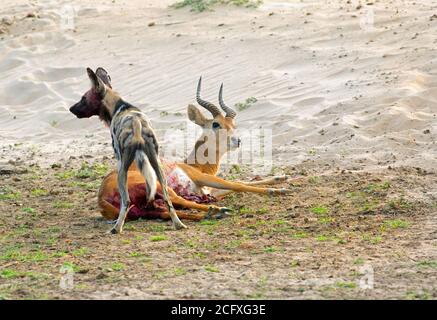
[[176, 222], [124, 194], [156, 165]]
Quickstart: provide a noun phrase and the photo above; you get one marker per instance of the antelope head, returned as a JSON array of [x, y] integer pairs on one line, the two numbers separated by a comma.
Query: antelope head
[[218, 132]]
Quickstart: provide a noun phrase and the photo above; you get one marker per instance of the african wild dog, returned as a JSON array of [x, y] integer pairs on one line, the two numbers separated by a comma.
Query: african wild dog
[[133, 140]]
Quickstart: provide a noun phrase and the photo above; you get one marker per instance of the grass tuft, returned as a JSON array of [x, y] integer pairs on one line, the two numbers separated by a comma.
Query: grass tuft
[[204, 5]]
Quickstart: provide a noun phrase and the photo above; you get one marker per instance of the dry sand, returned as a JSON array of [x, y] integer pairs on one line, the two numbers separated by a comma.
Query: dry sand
[[332, 91], [338, 92]]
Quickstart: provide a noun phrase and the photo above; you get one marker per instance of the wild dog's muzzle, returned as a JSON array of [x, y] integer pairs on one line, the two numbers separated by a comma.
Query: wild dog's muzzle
[[76, 110]]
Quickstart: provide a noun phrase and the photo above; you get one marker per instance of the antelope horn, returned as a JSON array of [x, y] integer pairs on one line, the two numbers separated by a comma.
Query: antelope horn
[[230, 113], [207, 105]]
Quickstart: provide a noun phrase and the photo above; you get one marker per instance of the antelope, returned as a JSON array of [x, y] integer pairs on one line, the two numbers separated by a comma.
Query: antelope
[[193, 183]]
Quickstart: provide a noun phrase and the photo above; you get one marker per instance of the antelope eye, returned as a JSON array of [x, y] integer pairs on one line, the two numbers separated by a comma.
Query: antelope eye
[[215, 125]]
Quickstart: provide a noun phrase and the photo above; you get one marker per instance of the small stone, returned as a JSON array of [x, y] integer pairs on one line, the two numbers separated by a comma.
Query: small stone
[[292, 215], [101, 275], [10, 169], [7, 21], [151, 24]]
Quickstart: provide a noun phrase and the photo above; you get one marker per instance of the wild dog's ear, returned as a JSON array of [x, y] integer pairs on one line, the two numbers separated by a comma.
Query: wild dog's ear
[[104, 76], [196, 116], [96, 83]]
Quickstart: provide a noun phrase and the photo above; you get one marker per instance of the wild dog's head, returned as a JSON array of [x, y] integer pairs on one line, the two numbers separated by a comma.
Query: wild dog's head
[[221, 127], [91, 103]]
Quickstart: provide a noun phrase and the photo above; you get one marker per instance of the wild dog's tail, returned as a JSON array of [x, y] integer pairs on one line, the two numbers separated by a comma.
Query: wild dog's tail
[[137, 129], [142, 155], [148, 173]]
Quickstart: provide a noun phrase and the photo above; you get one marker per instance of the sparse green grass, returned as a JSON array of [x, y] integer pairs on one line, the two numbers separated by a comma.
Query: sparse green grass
[[94, 171], [157, 227], [347, 285], [410, 295], [359, 261], [365, 201], [319, 210], [256, 296], [12, 274], [395, 224], [299, 235], [372, 187], [199, 255], [400, 204], [325, 220], [245, 210], [91, 171], [180, 271], [427, 264], [157, 238], [246, 104], [63, 205], [28, 210], [262, 210], [203, 5], [314, 179], [322, 238], [267, 228], [65, 175], [117, 266], [7, 193], [71, 266], [9, 274], [233, 244], [211, 268], [369, 205], [294, 263], [80, 252], [208, 222], [39, 192], [373, 239], [94, 185]]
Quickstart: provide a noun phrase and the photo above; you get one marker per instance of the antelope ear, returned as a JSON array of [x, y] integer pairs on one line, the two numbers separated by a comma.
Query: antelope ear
[[104, 76], [196, 116], [96, 83]]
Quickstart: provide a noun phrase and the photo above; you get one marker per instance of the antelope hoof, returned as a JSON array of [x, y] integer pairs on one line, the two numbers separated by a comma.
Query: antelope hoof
[[286, 191], [223, 213], [218, 213], [279, 191], [281, 178]]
